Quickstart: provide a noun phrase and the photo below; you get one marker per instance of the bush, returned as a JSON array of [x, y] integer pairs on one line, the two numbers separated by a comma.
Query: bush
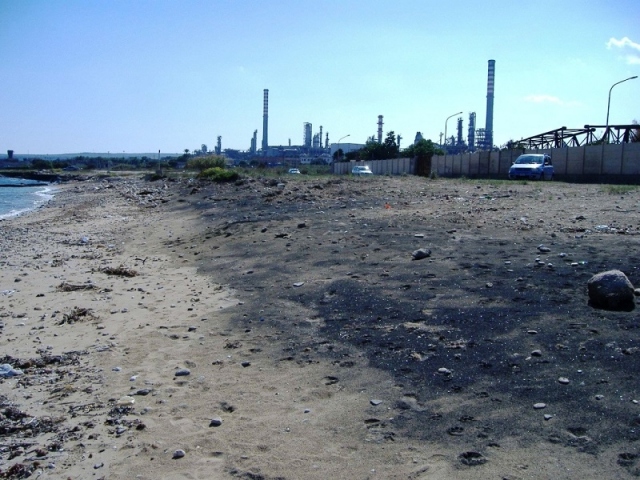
[[218, 174], [204, 163]]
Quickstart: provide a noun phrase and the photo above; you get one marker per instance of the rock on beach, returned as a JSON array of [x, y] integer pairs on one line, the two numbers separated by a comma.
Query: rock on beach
[[611, 290]]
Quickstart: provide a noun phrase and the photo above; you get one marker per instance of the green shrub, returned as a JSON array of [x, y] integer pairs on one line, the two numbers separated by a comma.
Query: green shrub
[[218, 174], [203, 163], [619, 189]]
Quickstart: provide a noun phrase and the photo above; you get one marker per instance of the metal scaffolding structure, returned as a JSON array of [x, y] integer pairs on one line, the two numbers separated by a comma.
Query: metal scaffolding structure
[[578, 137]]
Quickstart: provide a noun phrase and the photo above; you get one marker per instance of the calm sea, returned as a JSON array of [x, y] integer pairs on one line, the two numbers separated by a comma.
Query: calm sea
[[15, 200]]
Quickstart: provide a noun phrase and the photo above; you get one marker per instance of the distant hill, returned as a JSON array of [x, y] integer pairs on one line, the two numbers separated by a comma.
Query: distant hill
[[67, 156]]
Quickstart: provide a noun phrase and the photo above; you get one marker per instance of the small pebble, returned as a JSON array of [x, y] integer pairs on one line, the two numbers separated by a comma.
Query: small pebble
[[375, 402], [548, 417], [599, 397], [215, 422], [539, 406], [179, 454], [246, 364], [536, 353], [444, 371], [563, 380], [183, 372]]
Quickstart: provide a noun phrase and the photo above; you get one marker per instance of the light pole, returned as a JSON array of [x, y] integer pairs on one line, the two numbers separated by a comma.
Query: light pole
[[606, 128], [445, 130], [348, 135]]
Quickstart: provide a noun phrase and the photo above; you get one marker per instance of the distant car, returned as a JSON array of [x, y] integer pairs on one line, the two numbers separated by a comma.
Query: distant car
[[361, 170], [295, 171], [532, 166]]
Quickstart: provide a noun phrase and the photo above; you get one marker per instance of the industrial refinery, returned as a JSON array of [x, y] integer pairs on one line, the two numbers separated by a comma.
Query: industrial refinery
[[316, 148]]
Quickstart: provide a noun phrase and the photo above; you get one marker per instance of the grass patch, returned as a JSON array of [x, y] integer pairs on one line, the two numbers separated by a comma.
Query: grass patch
[[218, 174], [619, 189]]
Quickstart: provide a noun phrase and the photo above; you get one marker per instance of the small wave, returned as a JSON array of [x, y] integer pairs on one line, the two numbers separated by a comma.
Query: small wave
[[43, 196]]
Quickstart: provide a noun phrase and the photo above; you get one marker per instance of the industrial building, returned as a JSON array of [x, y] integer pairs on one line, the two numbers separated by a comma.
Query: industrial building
[[316, 145], [477, 138]]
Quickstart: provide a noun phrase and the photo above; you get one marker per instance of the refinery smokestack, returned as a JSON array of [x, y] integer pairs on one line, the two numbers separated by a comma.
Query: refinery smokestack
[[379, 128], [265, 123], [489, 122]]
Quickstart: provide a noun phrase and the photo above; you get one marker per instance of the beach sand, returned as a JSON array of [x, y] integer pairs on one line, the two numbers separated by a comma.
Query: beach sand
[[282, 330]]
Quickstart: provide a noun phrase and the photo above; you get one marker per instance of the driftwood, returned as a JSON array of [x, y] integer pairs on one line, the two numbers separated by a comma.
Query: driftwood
[[121, 271], [69, 287]]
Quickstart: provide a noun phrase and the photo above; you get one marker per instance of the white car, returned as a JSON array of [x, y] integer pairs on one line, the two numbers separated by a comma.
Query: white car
[[294, 171], [532, 165], [361, 170]]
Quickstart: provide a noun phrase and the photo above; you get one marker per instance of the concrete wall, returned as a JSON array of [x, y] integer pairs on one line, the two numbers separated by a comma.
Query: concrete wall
[[619, 163], [394, 166]]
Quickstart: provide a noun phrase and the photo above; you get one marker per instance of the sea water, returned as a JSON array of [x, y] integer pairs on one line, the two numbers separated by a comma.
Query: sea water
[[17, 197]]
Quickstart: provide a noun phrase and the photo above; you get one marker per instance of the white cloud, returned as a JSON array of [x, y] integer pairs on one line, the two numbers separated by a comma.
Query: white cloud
[[623, 42], [626, 44], [633, 60]]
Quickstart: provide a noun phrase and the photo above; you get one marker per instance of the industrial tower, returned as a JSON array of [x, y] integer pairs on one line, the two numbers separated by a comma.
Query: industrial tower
[[488, 129], [265, 123]]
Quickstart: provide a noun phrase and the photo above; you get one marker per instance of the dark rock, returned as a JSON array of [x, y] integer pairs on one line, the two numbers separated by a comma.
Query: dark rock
[[611, 290], [421, 253], [179, 454], [472, 458]]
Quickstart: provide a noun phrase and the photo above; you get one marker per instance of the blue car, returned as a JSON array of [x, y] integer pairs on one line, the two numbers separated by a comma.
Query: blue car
[[532, 166]]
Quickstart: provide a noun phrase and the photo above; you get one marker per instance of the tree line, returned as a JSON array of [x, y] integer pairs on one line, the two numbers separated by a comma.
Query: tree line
[[388, 149]]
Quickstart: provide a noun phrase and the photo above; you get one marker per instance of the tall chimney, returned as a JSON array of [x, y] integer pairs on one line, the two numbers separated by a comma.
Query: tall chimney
[[379, 128], [489, 123], [265, 123]]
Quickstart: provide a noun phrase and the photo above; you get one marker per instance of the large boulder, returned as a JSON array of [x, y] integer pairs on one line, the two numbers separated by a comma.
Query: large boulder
[[611, 290]]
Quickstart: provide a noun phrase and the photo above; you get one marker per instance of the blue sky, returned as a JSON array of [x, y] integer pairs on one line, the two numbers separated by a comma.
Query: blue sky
[[142, 76]]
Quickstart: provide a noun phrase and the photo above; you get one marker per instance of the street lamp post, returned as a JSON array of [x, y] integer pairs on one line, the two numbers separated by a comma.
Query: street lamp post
[[348, 135], [606, 128], [445, 130]]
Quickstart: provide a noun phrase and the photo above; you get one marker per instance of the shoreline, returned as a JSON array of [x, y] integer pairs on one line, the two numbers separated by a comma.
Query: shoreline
[[271, 333], [47, 194]]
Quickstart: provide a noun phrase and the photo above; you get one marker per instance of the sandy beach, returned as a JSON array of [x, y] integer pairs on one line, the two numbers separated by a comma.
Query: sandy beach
[[282, 329]]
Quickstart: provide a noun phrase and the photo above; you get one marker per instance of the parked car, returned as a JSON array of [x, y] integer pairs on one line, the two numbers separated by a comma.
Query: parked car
[[294, 171], [361, 170], [532, 166]]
